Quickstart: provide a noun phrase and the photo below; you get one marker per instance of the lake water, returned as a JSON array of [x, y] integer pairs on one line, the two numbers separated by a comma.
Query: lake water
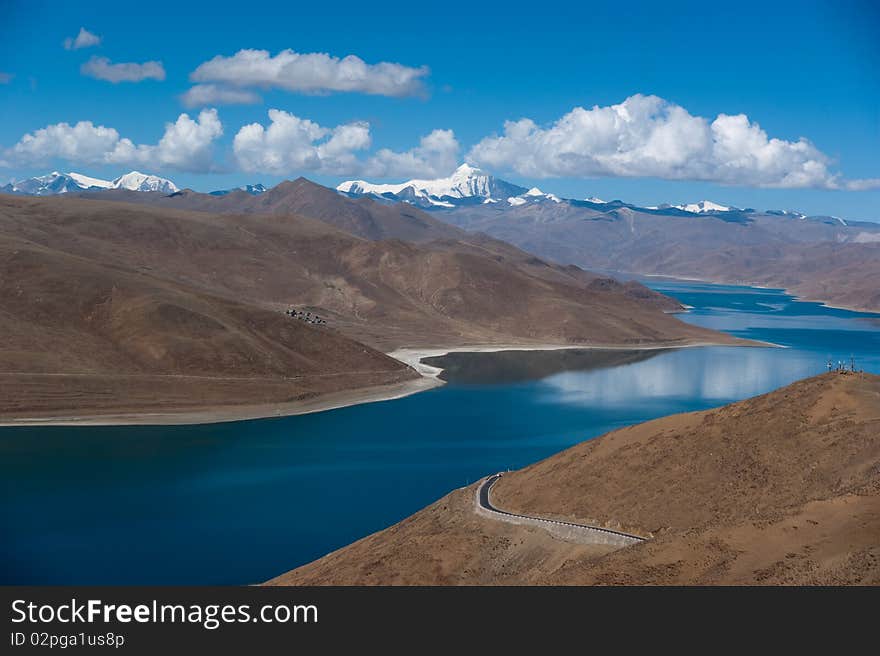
[[243, 501]]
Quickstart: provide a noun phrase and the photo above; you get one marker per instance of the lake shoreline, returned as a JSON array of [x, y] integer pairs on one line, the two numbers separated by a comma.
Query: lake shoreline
[[785, 290], [429, 378]]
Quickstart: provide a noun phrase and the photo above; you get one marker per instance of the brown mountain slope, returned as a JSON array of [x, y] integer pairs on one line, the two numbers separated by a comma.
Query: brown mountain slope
[[118, 307], [371, 220], [816, 259], [85, 338], [782, 488], [389, 293], [362, 217]]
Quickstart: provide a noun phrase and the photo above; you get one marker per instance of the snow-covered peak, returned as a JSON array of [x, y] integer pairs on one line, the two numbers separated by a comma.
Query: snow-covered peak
[[703, 206], [48, 185], [87, 181], [137, 181], [593, 199], [466, 182], [466, 171], [534, 195]]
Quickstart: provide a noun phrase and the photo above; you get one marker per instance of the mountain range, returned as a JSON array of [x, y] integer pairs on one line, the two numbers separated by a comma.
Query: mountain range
[[466, 187], [469, 186], [823, 258], [118, 302], [56, 183], [253, 189]]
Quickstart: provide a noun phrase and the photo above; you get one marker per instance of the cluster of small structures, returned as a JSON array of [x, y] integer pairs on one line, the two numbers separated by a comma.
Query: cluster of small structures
[[308, 317], [841, 366]]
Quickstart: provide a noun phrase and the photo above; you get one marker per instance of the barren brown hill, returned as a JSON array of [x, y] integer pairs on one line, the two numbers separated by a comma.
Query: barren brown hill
[[196, 301], [362, 217], [373, 221], [818, 258], [81, 338], [388, 293], [782, 488]]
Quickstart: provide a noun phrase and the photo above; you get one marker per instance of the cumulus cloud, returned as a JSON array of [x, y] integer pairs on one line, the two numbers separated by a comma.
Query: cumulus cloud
[[84, 39], [103, 69], [862, 185], [310, 73], [292, 144], [186, 145], [210, 94], [647, 136], [435, 156]]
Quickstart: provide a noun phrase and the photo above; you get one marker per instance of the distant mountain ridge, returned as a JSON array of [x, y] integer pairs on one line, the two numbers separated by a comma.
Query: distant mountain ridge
[[469, 186], [56, 183], [252, 189]]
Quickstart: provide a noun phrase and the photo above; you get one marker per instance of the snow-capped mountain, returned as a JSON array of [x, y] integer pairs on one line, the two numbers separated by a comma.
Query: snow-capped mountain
[[56, 183], [253, 190], [466, 185], [137, 181], [704, 206]]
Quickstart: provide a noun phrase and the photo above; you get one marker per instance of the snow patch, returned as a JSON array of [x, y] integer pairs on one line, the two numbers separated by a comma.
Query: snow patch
[[86, 181], [703, 206]]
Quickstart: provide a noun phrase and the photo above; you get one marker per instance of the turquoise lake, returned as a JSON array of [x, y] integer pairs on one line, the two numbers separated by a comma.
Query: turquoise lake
[[243, 501]]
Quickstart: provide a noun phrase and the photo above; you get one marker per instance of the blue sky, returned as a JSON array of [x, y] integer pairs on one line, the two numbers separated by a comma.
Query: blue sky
[[800, 70]]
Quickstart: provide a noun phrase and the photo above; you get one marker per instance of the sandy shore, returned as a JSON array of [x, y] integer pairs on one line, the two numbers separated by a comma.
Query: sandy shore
[[413, 356], [220, 414]]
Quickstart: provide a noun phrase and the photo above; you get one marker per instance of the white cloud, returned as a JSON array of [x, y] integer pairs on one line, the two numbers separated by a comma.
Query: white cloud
[[646, 136], [435, 156], [311, 73], [291, 144], [84, 39], [210, 94], [862, 185], [83, 142], [103, 69], [186, 145]]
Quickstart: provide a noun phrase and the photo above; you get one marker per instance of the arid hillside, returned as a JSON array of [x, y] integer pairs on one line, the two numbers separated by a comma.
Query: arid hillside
[[387, 293], [92, 290], [818, 258], [782, 488], [84, 338], [361, 217]]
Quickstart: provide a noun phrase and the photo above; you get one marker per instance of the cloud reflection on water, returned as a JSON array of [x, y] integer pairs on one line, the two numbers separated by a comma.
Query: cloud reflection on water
[[716, 373]]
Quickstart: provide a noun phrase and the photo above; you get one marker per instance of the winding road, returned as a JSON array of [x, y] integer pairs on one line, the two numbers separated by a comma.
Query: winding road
[[587, 531]]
